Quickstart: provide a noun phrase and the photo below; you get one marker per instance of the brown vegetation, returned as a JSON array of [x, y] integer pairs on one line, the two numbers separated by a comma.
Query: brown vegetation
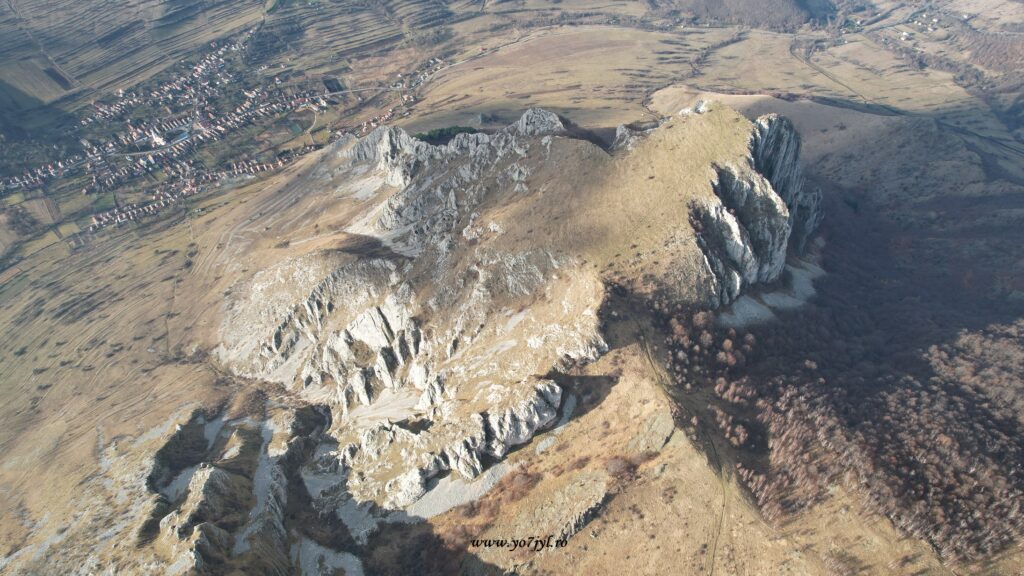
[[937, 457], [855, 391]]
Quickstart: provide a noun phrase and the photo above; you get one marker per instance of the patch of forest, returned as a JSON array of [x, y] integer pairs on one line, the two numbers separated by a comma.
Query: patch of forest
[[893, 383]]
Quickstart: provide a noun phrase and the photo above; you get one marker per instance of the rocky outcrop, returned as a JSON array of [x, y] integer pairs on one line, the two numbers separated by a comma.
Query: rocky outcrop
[[775, 151], [213, 493], [423, 213], [382, 348], [539, 122], [516, 416], [653, 434], [427, 353], [291, 331], [759, 212], [775, 148], [744, 234], [393, 153], [421, 381], [627, 136], [566, 510], [521, 419], [233, 512]]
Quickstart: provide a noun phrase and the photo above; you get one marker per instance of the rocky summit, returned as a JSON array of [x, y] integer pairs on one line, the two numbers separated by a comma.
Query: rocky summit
[[431, 344]]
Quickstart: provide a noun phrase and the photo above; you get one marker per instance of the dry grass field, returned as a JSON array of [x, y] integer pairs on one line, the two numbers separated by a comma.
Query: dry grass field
[[597, 76]]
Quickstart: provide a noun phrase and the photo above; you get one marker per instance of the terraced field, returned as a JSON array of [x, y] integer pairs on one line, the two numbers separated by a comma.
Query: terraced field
[[116, 45], [303, 26], [121, 44]]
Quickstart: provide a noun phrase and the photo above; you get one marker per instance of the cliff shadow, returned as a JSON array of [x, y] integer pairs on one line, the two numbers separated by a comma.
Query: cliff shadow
[[414, 549], [23, 116], [901, 372]]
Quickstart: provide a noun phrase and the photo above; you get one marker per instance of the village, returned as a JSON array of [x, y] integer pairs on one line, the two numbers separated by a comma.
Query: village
[[187, 105], [409, 82], [166, 145], [146, 139]]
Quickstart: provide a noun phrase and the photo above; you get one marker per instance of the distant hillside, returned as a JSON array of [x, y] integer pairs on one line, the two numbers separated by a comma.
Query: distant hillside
[[778, 14], [68, 53]]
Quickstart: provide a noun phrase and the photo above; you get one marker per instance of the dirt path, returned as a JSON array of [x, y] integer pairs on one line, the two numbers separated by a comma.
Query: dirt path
[[664, 382], [810, 64]]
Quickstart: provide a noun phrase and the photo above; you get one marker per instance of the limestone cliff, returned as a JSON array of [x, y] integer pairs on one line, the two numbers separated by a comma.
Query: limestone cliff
[[761, 209], [387, 340], [428, 355]]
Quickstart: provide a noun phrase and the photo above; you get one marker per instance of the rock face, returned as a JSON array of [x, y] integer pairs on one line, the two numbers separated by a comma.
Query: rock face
[[409, 401], [565, 511], [776, 151], [372, 353], [460, 175], [626, 137], [760, 210], [512, 421], [232, 513]]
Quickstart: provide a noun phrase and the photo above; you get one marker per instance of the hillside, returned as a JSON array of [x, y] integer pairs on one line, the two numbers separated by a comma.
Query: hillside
[[779, 14], [360, 319]]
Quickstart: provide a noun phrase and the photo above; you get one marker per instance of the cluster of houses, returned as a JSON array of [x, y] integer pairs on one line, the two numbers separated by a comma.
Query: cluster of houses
[[106, 176], [409, 81], [260, 103], [176, 135], [187, 183], [131, 212], [208, 128], [153, 132], [171, 157], [173, 139], [124, 104], [930, 24], [35, 177], [243, 168], [376, 121], [195, 83], [205, 126], [384, 118], [421, 74]]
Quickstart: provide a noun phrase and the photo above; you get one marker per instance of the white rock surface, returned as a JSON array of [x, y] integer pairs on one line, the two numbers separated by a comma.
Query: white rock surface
[[761, 210]]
